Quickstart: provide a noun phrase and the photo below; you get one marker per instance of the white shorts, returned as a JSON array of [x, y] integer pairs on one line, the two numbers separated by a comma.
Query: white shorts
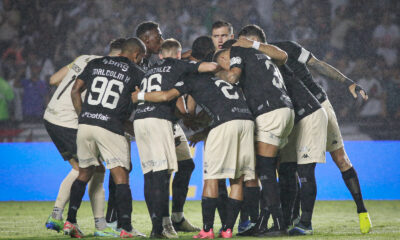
[[182, 149], [274, 127], [155, 142], [334, 139], [93, 142], [307, 142], [229, 151]]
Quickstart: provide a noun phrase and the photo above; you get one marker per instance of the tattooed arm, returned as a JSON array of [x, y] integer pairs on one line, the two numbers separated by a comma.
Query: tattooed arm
[[329, 71]]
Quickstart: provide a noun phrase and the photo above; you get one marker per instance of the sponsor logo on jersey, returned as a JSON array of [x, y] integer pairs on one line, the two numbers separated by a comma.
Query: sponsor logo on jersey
[[236, 60], [240, 110], [98, 116], [76, 68], [146, 109], [124, 66], [262, 56]]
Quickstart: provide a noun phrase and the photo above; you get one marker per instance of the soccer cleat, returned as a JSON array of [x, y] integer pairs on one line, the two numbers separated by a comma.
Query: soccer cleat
[[106, 232], [227, 233], [273, 232], [72, 230], [300, 229], [365, 222], [114, 226], [54, 224], [248, 231], [243, 226], [205, 235], [261, 226], [169, 231], [185, 226]]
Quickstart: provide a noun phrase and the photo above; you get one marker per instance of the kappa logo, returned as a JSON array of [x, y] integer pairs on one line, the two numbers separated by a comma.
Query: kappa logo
[[178, 84], [236, 60], [305, 156], [334, 142]]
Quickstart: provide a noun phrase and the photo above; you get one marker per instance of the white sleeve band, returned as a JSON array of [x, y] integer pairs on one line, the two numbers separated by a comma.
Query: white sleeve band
[[303, 56], [256, 45], [140, 96]]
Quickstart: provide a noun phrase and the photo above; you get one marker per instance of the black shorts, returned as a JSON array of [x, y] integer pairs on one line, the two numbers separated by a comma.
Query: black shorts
[[64, 139]]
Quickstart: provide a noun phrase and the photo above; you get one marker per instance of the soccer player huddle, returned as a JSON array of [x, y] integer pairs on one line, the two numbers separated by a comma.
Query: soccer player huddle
[[265, 124]]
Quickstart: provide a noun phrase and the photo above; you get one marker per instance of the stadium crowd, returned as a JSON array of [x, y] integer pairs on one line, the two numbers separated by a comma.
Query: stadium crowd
[[360, 38]]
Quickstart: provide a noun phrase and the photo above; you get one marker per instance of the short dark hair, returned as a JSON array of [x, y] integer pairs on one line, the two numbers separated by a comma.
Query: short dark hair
[[202, 47], [144, 27], [217, 53], [253, 30], [132, 45], [170, 44], [229, 43], [221, 23], [116, 44]]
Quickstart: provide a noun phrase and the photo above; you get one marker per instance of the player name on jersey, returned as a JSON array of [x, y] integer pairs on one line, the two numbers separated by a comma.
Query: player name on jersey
[[109, 82]]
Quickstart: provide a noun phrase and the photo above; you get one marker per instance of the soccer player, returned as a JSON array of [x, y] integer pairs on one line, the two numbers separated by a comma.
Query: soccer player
[[150, 34], [299, 60], [229, 151], [221, 32], [154, 133], [272, 108], [61, 122], [109, 82]]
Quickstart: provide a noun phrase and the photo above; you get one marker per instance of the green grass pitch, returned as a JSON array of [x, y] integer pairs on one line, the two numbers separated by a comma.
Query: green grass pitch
[[332, 220]]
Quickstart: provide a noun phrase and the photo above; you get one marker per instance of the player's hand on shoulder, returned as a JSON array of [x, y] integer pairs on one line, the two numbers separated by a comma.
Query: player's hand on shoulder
[[356, 89], [243, 42], [134, 95], [194, 139]]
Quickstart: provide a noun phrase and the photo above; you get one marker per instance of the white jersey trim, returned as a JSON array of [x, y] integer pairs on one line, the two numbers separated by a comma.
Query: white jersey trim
[[303, 56]]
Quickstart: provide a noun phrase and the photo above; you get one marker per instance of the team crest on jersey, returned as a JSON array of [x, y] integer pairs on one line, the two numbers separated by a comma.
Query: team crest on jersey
[[236, 60], [76, 68], [178, 84]]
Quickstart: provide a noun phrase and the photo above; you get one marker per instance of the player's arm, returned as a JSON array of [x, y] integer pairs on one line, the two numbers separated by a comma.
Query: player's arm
[[232, 76], [77, 89], [329, 71], [57, 77], [191, 105], [159, 96], [200, 136], [278, 56], [208, 67]]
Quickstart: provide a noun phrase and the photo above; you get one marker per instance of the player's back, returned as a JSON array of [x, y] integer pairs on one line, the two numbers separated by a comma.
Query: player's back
[[222, 101], [60, 110], [261, 80], [109, 82], [304, 102], [297, 60], [163, 75]]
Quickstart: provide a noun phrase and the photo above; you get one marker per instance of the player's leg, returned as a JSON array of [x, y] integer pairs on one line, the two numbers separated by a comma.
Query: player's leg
[[65, 141], [310, 148], [288, 189], [111, 215], [208, 207], [180, 183], [233, 206], [251, 206], [222, 198]]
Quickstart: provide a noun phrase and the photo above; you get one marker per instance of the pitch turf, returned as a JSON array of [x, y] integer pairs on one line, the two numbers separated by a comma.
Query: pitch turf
[[332, 220]]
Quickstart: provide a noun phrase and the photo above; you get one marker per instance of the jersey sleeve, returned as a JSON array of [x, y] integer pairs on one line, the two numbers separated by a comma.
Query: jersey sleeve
[[297, 52], [188, 67], [86, 73], [183, 86], [236, 58]]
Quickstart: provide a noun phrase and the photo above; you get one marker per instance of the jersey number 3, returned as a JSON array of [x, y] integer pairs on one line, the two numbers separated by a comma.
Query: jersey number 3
[[106, 96]]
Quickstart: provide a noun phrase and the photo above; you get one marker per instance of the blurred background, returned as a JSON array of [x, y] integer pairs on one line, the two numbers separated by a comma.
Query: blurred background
[[361, 38]]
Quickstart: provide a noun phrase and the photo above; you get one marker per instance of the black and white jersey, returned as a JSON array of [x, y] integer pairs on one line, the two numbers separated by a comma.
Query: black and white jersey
[[163, 75], [304, 102], [222, 101], [109, 82], [261, 80], [297, 62]]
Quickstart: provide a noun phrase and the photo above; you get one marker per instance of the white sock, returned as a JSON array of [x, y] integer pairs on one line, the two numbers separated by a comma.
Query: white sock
[[166, 221], [57, 213], [100, 223], [65, 190], [97, 195], [177, 217]]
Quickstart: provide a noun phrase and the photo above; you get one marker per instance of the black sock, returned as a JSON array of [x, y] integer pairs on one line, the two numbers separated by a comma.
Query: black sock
[[308, 192], [222, 199], [148, 192], [351, 179], [251, 203], [296, 205], [111, 215], [161, 198], [262, 221], [208, 206], [180, 184], [77, 191], [288, 189], [232, 207], [266, 170], [123, 198]]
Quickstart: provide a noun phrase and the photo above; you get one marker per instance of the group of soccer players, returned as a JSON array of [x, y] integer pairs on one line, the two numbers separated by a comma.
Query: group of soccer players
[[254, 104]]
